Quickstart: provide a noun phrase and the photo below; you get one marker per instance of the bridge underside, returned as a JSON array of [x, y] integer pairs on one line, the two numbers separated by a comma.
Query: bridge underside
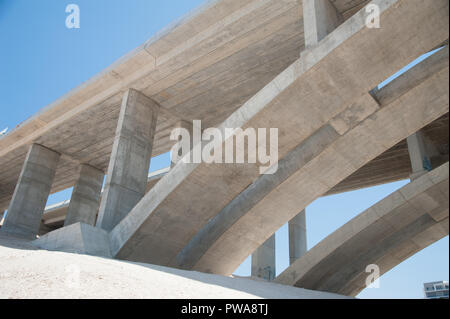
[[235, 64]]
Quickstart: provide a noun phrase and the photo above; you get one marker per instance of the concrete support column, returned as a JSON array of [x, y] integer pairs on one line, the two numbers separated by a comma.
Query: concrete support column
[[85, 200], [320, 18], [31, 193], [297, 237], [126, 179], [421, 150], [263, 260]]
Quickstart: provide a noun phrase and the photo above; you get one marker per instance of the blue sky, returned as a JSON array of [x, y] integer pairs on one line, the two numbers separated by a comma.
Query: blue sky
[[40, 60]]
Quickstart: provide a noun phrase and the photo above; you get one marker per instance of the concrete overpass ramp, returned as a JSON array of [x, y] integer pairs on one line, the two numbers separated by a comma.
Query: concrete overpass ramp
[[313, 168], [386, 234], [323, 85]]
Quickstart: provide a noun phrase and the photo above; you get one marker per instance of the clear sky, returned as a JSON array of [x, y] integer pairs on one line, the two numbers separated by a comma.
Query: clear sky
[[40, 60]]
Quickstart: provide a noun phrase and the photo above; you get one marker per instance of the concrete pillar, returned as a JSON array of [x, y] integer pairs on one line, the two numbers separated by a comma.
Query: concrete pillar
[[297, 237], [263, 260], [421, 150], [126, 180], [320, 18], [85, 200], [31, 193]]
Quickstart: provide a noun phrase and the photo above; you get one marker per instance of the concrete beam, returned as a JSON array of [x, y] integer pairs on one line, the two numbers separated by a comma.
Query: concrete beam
[[389, 232], [320, 18], [56, 214], [421, 150], [222, 44], [263, 260], [130, 158], [297, 237], [85, 199], [44, 229], [182, 124], [206, 238], [31, 193], [78, 238]]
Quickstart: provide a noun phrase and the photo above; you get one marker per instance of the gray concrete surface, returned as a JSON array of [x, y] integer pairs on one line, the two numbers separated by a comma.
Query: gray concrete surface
[[297, 237], [228, 233], [32, 273], [31, 193], [421, 151], [126, 179], [263, 260], [235, 45], [344, 78], [384, 235], [176, 71], [77, 238], [85, 199]]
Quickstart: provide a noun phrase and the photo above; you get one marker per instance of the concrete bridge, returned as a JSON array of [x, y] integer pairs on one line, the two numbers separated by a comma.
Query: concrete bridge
[[387, 233], [309, 68]]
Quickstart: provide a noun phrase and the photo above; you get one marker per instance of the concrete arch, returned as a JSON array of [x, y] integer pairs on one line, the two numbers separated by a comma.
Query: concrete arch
[[322, 85], [386, 234]]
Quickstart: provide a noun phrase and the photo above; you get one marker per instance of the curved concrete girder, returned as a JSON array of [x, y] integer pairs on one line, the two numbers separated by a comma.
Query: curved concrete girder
[[319, 86], [386, 234], [342, 157], [221, 228]]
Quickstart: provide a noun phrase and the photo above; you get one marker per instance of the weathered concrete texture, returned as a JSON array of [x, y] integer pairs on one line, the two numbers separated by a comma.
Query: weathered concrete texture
[[248, 198], [389, 232], [339, 158], [320, 17], [130, 159], [249, 216], [182, 127], [77, 238], [421, 151], [85, 199], [31, 193], [236, 45], [263, 260], [319, 86], [30, 272], [297, 237]]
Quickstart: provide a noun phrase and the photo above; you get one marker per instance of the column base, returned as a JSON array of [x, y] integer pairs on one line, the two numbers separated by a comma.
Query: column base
[[77, 238]]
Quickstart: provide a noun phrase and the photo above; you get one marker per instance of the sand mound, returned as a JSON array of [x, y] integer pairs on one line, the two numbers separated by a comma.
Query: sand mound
[[26, 272]]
